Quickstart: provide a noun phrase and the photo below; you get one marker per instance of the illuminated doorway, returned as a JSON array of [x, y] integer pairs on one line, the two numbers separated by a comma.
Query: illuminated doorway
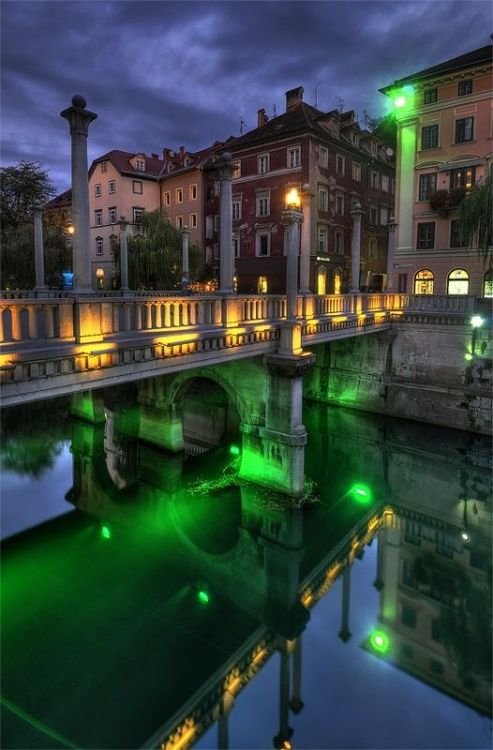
[[262, 285], [337, 281], [423, 282], [322, 281], [458, 282]]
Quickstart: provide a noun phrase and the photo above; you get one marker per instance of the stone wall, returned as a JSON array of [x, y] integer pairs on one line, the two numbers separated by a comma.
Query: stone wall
[[419, 370]]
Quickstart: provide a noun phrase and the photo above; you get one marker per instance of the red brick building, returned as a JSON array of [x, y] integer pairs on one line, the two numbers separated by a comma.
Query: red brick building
[[336, 165]]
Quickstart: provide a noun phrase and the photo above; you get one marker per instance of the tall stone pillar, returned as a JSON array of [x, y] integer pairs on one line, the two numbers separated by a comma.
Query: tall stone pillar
[[226, 169], [39, 250], [291, 330], [378, 582], [356, 213], [405, 175], [344, 632], [306, 240], [123, 255], [391, 226], [185, 262], [285, 731], [79, 120], [296, 704]]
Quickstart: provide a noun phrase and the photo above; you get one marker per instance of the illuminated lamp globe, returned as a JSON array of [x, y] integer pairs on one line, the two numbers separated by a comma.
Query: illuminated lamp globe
[[400, 101], [477, 321], [293, 199]]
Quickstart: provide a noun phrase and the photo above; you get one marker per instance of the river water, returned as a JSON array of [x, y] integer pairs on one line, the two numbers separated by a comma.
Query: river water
[[152, 600]]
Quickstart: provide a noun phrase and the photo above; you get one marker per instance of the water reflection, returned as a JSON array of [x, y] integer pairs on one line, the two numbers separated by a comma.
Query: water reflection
[[146, 617]]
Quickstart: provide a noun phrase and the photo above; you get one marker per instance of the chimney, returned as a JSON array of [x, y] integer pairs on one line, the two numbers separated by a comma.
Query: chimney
[[154, 156], [294, 97], [262, 118]]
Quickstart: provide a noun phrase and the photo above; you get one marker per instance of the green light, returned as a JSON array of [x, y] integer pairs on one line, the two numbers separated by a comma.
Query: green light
[[361, 493], [400, 102], [203, 597], [105, 531], [477, 321], [468, 357], [234, 450], [379, 641]]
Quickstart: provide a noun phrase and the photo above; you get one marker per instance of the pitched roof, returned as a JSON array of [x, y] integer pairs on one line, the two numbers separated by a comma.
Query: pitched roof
[[60, 201], [296, 120], [121, 162], [476, 57]]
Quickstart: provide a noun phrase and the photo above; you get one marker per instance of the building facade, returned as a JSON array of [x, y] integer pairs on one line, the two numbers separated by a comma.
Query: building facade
[[335, 165], [445, 128]]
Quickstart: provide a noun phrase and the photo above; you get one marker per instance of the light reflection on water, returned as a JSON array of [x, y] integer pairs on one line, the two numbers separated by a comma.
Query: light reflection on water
[[123, 607]]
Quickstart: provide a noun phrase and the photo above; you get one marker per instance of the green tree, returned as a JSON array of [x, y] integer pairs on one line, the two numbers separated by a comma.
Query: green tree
[[155, 255], [21, 187], [476, 219]]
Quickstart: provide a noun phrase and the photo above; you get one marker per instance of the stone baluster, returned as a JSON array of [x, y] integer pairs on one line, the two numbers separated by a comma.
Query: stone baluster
[[127, 317], [32, 313], [2, 333], [49, 311], [138, 316], [16, 323], [79, 120], [148, 316]]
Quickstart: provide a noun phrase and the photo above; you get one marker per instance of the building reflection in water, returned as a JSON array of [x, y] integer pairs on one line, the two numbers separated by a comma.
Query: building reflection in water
[[252, 570]]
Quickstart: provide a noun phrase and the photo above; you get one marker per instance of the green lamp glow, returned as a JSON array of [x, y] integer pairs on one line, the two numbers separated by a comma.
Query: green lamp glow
[[105, 531], [403, 97], [379, 641], [203, 596], [477, 321], [400, 101], [234, 450], [361, 493], [468, 357]]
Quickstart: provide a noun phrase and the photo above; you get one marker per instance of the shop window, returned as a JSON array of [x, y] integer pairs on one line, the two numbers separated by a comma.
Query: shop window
[[458, 282], [423, 282]]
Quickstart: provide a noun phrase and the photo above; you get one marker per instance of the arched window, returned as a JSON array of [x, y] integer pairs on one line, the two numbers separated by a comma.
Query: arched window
[[488, 283], [321, 280], [423, 282], [337, 281], [458, 282]]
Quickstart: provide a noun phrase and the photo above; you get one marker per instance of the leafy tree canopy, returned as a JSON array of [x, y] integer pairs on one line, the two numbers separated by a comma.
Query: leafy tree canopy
[[476, 219], [21, 187]]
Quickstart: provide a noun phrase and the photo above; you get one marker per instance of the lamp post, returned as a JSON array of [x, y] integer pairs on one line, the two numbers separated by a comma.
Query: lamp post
[[100, 278]]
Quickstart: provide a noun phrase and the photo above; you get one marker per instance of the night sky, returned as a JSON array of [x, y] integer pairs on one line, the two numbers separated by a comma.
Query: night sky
[[185, 73]]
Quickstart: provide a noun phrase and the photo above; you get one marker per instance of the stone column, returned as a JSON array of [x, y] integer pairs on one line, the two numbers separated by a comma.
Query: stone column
[[226, 169], [123, 255], [290, 343], [404, 196], [39, 250], [79, 120], [296, 704], [285, 731], [356, 213], [378, 582], [306, 240], [344, 632], [391, 226], [185, 263]]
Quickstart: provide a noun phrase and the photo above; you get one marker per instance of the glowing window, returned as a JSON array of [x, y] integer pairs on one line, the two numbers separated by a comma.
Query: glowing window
[[262, 285], [458, 282], [337, 281], [488, 284], [322, 281], [423, 282]]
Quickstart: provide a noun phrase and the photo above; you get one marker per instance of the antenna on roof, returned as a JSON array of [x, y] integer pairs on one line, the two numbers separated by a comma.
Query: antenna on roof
[[275, 111], [340, 104], [242, 125]]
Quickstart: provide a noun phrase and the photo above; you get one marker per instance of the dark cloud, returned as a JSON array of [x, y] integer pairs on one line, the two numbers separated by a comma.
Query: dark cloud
[[173, 73]]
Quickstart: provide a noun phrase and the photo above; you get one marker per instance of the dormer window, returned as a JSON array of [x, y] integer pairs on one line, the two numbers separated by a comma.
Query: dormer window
[[355, 139], [104, 166], [374, 147], [140, 165]]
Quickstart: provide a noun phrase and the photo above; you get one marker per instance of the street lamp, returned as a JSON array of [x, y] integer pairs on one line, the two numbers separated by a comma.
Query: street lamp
[[293, 200], [100, 278]]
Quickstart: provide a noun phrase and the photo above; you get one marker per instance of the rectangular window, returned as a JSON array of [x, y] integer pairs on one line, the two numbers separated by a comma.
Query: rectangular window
[[385, 183], [193, 219], [455, 238], [373, 215], [217, 188], [112, 215], [375, 180], [98, 217], [236, 246], [372, 247], [402, 283], [430, 96], [99, 245], [209, 227], [322, 239], [429, 137], [167, 198], [237, 170], [323, 156], [408, 616], [323, 199], [384, 216], [236, 206], [179, 195], [263, 163], [97, 190], [339, 241], [294, 156], [426, 235], [356, 171], [464, 88], [392, 185], [137, 215], [464, 129], [263, 204], [464, 177], [192, 192], [140, 165], [340, 163], [340, 205], [263, 244], [137, 187], [217, 222], [179, 222], [111, 186], [408, 577], [104, 166], [427, 185], [407, 651], [436, 630]]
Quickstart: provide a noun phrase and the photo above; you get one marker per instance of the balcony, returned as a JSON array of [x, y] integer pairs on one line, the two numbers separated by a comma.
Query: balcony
[[444, 201]]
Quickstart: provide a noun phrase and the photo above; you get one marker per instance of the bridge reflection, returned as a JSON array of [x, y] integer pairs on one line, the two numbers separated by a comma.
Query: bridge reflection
[[139, 619]]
